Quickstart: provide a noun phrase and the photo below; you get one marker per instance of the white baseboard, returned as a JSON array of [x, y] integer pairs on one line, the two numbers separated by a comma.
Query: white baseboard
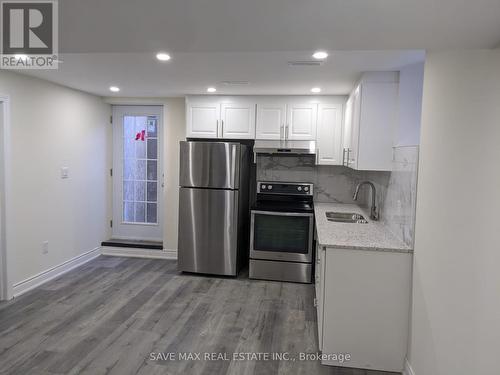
[[53, 272], [138, 253], [408, 370]]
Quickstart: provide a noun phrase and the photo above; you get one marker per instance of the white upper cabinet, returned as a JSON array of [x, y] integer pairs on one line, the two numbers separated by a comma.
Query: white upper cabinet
[[286, 119], [351, 153], [358, 133], [329, 133], [238, 119], [220, 117], [301, 120], [271, 119], [370, 123], [203, 119], [347, 130]]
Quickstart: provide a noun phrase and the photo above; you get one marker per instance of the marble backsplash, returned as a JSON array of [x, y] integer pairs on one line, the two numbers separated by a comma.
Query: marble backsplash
[[397, 193], [396, 190], [331, 183]]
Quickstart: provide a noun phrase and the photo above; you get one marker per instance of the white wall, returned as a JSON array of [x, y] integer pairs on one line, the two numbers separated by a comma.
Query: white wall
[[53, 126], [411, 79], [175, 123], [456, 285], [3, 291], [174, 111]]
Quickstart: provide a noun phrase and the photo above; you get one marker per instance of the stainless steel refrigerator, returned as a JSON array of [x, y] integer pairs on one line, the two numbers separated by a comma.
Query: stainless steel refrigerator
[[213, 207]]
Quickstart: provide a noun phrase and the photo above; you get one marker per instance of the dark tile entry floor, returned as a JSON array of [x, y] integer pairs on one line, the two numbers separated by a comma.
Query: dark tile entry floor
[[110, 315], [134, 244]]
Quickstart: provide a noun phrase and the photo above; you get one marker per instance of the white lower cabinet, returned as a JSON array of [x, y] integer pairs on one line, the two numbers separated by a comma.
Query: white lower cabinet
[[363, 307], [319, 286]]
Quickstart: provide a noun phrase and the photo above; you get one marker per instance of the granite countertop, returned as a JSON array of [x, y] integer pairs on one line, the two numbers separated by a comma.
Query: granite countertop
[[373, 236]]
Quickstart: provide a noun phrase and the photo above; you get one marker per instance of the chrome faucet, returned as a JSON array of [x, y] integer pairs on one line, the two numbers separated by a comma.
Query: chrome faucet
[[374, 211]]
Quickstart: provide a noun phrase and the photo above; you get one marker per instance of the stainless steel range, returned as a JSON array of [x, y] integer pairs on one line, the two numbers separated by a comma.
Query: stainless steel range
[[281, 232]]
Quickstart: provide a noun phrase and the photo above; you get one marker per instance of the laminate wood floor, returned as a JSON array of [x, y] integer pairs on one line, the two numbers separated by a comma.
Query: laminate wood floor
[[113, 315]]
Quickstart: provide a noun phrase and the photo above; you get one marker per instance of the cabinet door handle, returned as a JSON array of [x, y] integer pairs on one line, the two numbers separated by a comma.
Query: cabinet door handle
[[217, 130], [222, 128], [286, 129], [347, 159], [343, 157], [282, 131]]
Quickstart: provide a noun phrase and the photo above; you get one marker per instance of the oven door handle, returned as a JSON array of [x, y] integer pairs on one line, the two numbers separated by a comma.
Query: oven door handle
[[276, 213]]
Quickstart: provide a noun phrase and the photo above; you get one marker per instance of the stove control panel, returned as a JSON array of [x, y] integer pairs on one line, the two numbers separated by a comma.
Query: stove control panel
[[285, 188]]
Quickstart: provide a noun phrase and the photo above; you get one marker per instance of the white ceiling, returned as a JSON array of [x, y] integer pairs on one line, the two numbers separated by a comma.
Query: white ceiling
[[114, 42], [141, 75], [276, 25]]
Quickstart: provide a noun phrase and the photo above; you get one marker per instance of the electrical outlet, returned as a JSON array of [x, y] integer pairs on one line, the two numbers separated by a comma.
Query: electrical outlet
[[45, 247]]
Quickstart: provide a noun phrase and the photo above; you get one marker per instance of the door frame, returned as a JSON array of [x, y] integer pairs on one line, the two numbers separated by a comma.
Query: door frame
[[5, 286], [161, 171]]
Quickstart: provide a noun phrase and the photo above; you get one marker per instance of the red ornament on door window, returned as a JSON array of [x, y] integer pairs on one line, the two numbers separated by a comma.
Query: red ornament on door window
[[141, 135]]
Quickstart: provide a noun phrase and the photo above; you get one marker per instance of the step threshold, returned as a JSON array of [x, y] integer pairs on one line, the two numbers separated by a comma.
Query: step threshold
[[133, 244]]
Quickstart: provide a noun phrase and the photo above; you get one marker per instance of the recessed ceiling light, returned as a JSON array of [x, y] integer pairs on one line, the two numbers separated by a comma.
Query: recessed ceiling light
[[211, 89], [114, 89], [21, 57], [320, 55], [162, 56], [316, 89]]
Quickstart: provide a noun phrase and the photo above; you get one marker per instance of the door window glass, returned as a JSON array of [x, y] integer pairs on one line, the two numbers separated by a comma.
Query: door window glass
[[140, 169]]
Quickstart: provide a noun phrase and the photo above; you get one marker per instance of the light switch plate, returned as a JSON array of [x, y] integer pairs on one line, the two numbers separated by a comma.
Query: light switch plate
[[64, 172], [45, 247]]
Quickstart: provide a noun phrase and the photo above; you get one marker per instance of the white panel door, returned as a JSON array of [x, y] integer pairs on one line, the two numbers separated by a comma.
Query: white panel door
[[203, 119], [301, 121], [238, 119], [137, 173], [271, 119], [329, 134]]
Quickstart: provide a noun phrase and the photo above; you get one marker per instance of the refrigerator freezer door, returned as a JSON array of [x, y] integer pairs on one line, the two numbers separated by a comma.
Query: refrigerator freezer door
[[210, 164], [208, 231]]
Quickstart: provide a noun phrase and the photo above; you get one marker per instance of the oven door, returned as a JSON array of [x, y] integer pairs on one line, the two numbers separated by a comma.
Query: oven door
[[286, 236]]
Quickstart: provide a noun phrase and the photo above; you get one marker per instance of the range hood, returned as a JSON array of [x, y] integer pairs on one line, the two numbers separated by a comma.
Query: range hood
[[284, 147]]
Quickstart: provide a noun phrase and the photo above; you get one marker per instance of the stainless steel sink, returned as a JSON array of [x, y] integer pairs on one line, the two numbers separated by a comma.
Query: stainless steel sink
[[346, 217]]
